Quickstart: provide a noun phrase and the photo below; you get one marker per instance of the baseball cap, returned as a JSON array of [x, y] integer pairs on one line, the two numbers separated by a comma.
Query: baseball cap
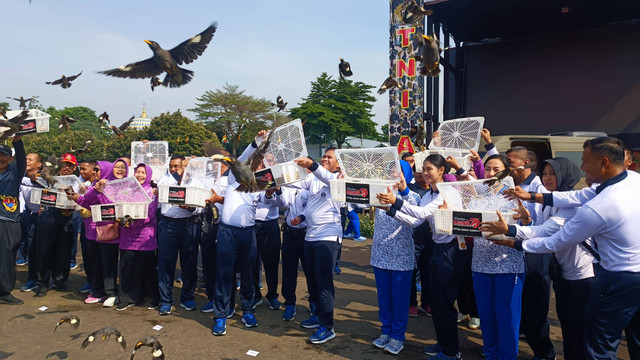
[[4, 149], [69, 158]]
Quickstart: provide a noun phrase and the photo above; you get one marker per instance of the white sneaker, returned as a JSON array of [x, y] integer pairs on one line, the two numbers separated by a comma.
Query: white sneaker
[[474, 323], [463, 317], [110, 301]]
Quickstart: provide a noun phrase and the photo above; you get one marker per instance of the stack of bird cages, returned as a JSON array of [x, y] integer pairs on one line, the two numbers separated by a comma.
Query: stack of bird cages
[[286, 144], [128, 198], [36, 122], [470, 203], [152, 153], [201, 175], [56, 197], [456, 138], [367, 172]]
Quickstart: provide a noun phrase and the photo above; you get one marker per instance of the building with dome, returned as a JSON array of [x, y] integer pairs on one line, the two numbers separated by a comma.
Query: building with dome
[[141, 122]]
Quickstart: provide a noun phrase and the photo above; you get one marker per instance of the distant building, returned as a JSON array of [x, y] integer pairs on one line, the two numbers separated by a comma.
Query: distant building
[[142, 122]]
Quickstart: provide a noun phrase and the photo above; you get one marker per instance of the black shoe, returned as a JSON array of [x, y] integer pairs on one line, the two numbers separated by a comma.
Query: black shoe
[[41, 292], [59, 287], [10, 300]]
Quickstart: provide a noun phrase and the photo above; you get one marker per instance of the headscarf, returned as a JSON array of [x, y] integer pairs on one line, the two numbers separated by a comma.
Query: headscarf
[[406, 171], [146, 184], [567, 173], [106, 169], [126, 172]]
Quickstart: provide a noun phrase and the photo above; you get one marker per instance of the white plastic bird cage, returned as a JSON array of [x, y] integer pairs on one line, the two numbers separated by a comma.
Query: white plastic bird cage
[[111, 212], [201, 175], [152, 153], [367, 172], [53, 198], [36, 122], [286, 144], [128, 197], [471, 202], [455, 138]]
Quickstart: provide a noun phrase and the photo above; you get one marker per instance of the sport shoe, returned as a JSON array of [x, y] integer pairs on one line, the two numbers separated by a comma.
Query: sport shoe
[[10, 300], [337, 270], [425, 309], [474, 323], [92, 300], [110, 301], [394, 346], [124, 306], [310, 323], [207, 308], [179, 279], [441, 356], [41, 291], [347, 236], [258, 303], [312, 308], [463, 317], [289, 312], [165, 310], [361, 238], [85, 288], [238, 286], [249, 320], [188, 305], [29, 286], [413, 311], [432, 350], [154, 304], [21, 262], [274, 304], [322, 335], [219, 327], [73, 266], [418, 287], [381, 341]]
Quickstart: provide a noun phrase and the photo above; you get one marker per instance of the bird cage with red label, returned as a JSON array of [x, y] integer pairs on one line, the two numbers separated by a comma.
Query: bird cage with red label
[[127, 196], [455, 138], [200, 176], [285, 145], [56, 196], [152, 153], [367, 172], [36, 122]]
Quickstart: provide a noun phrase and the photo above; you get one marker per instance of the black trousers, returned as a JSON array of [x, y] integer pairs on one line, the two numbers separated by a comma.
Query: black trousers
[[28, 226], [268, 245], [447, 267], [32, 274], [54, 233], [320, 257], [85, 244], [292, 252], [105, 271], [208, 251], [9, 242], [535, 305], [138, 276], [571, 298], [424, 250], [466, 296], [234, 245]]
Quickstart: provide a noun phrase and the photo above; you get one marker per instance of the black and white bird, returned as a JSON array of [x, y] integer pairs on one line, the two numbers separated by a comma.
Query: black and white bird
[[415, 13], [430, 57], [23, 102], [104, 119], [344, 68], [104, 333], [389, 83], [119, 130], [280, 103], [167, 61], [72, 320], [64, 81], [12, 126], [64, 122], [153, 343]]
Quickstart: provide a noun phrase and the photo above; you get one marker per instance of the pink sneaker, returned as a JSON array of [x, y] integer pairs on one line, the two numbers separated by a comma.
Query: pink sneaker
[[413, 311], [92, 300]]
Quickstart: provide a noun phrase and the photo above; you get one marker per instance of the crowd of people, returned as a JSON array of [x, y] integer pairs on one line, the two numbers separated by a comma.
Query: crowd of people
[[580, 242]]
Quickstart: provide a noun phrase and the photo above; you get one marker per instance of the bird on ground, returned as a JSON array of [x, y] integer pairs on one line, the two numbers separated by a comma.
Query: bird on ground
[[104, 118], [3, 112], [389, 83], [49, 170], [430, 57], [12, 126], [23, 102], [344, 68], [120, 130], [72, 320], [167, 61], [155, 82], [243, 171], [415, 13], [64, 81], [83, 150], [105, 332], [64, 122], [153, 343], [280, 103], [500, 175]]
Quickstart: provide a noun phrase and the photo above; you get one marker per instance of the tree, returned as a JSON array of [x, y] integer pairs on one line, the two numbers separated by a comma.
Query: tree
[[337, 108], [232, 113], [385, 133], [186, 137]]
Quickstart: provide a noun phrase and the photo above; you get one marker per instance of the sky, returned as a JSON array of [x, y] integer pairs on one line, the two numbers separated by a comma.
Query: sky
[[268, 48]]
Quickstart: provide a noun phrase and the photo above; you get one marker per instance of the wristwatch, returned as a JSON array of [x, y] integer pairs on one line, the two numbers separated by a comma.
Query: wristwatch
[[533, 195]]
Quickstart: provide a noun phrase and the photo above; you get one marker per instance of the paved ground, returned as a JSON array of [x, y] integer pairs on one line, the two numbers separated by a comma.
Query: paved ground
[[27, 333]]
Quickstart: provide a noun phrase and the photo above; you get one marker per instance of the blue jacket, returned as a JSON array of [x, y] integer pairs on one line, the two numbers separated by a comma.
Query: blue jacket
[[10, 181]]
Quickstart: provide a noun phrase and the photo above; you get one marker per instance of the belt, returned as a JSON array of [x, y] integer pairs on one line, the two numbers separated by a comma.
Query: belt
[[193, 219]]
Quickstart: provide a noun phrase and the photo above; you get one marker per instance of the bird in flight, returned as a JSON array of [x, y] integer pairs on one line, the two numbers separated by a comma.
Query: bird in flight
[[104, 333], [64, 81], [344, 68]]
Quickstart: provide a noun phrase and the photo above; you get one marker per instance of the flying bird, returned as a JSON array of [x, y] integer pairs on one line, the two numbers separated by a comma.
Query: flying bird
[[120, 130], [12, 126], [104, 333], [415, 13], [344, 68], [167, 61], [389, 83], [49, 170], [84, 149], [153, 343], [104, 118], [65, 122], [501, 175], [243, 171], [155, 82], [72, 320], [430, 57], [280, 103], [23, 102], [418, 133], [64, 81], [3, 112]]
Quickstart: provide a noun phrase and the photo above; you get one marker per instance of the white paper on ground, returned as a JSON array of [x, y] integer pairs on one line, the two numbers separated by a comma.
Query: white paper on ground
[[253, 353], [157, 328], [43, 308]]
